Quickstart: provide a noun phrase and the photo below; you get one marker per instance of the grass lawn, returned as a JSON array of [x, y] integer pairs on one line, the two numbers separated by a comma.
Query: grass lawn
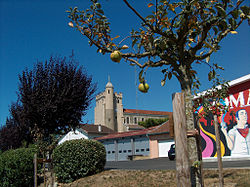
[[150, 178]]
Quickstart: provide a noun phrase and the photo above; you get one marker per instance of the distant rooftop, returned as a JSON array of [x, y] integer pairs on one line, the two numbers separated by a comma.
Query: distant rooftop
[[99, 129], [163, 128], [148, 112]]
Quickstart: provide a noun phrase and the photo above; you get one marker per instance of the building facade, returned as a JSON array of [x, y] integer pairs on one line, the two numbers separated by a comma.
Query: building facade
[[109, 112], [153, 142], [156, 141], [86, 131], [234, 124]]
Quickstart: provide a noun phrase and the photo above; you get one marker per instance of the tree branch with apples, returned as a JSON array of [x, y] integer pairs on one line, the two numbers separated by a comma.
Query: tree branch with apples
[[176, 35]]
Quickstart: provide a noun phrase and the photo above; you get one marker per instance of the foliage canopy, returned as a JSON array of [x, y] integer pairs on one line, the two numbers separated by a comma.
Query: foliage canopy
[[16, 167], [75, 159], [52, 98], [175, 35]]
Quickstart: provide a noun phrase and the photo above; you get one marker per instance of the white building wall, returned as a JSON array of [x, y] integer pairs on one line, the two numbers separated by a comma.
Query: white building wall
[[73, 135]]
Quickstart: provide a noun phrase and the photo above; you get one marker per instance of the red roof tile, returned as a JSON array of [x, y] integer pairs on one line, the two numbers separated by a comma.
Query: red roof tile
[[163, 128], [126, 134], [135, 127], [94, 129], [148, 112]]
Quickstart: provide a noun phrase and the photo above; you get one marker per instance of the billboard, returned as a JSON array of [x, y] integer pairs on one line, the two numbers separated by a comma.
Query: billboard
[[233, 125]]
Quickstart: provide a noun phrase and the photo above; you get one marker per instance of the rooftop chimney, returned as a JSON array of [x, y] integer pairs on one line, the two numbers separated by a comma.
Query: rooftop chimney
[[99, 128]]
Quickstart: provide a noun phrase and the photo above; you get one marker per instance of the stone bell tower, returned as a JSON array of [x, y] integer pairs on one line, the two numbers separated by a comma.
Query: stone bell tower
[[109, 109]]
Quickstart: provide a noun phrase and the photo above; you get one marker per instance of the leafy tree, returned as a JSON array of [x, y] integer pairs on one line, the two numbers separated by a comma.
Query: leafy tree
[[151, 122], [177, 35], [9, 136], [14, 134], [53, 97]]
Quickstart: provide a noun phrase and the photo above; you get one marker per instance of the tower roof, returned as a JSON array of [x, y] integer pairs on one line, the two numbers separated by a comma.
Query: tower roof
[[109, 84]]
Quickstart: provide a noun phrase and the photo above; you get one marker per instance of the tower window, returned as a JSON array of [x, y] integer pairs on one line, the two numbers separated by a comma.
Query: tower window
[[108, 91], [117, 100], [127, 120]]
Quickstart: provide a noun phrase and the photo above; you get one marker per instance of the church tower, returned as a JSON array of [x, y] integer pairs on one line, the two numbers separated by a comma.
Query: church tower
[[109, 112], [109, 109]]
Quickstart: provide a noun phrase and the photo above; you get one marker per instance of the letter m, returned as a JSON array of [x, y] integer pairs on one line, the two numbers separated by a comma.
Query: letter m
[[240, 100]]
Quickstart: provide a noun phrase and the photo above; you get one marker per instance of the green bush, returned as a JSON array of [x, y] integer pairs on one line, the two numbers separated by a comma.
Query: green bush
[[16, 167], [75, 159], [151, 122]]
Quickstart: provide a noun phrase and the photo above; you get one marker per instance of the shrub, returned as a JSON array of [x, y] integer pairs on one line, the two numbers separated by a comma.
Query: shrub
[[16, 167], [151, 122], [75, 159]]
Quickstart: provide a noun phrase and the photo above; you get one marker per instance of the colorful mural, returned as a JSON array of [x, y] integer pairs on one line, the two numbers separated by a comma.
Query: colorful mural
[[234, 126]]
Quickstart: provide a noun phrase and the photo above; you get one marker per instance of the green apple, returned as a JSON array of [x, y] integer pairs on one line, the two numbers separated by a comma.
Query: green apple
[[116, 56], [143, 87]]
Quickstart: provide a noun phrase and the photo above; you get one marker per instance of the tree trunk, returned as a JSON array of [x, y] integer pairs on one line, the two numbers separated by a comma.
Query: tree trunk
[[181, 151], [217, 134], [192, 142]]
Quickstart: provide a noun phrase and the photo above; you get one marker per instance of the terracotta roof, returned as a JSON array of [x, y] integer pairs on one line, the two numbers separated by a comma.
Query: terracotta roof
[[94, 129], [125, 134], [163, 128], [148, 112], [135, 127]]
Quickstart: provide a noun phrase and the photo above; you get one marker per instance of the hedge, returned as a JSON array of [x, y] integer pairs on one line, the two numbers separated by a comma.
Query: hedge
[[75, 159], [16, 167]]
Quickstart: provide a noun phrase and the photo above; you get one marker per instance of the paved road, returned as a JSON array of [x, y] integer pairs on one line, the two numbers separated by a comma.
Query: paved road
[[165, 163]]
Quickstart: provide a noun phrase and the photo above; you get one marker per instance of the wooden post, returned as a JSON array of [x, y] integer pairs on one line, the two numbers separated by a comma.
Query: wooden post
[[180, 130], [35, 170], [199, 150], [44, 174], [217, 134], [171, 126], [52, 171]]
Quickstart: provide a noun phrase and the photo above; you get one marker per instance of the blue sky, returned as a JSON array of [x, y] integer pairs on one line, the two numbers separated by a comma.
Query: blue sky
[[32, 30]]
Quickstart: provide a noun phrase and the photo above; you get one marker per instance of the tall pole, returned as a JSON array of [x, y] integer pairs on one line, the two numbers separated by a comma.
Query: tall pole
[[217, 134], [35, 170], [181, 150]]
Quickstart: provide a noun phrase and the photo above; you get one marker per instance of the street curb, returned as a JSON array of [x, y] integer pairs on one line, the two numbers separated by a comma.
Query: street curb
[[226, 158]]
